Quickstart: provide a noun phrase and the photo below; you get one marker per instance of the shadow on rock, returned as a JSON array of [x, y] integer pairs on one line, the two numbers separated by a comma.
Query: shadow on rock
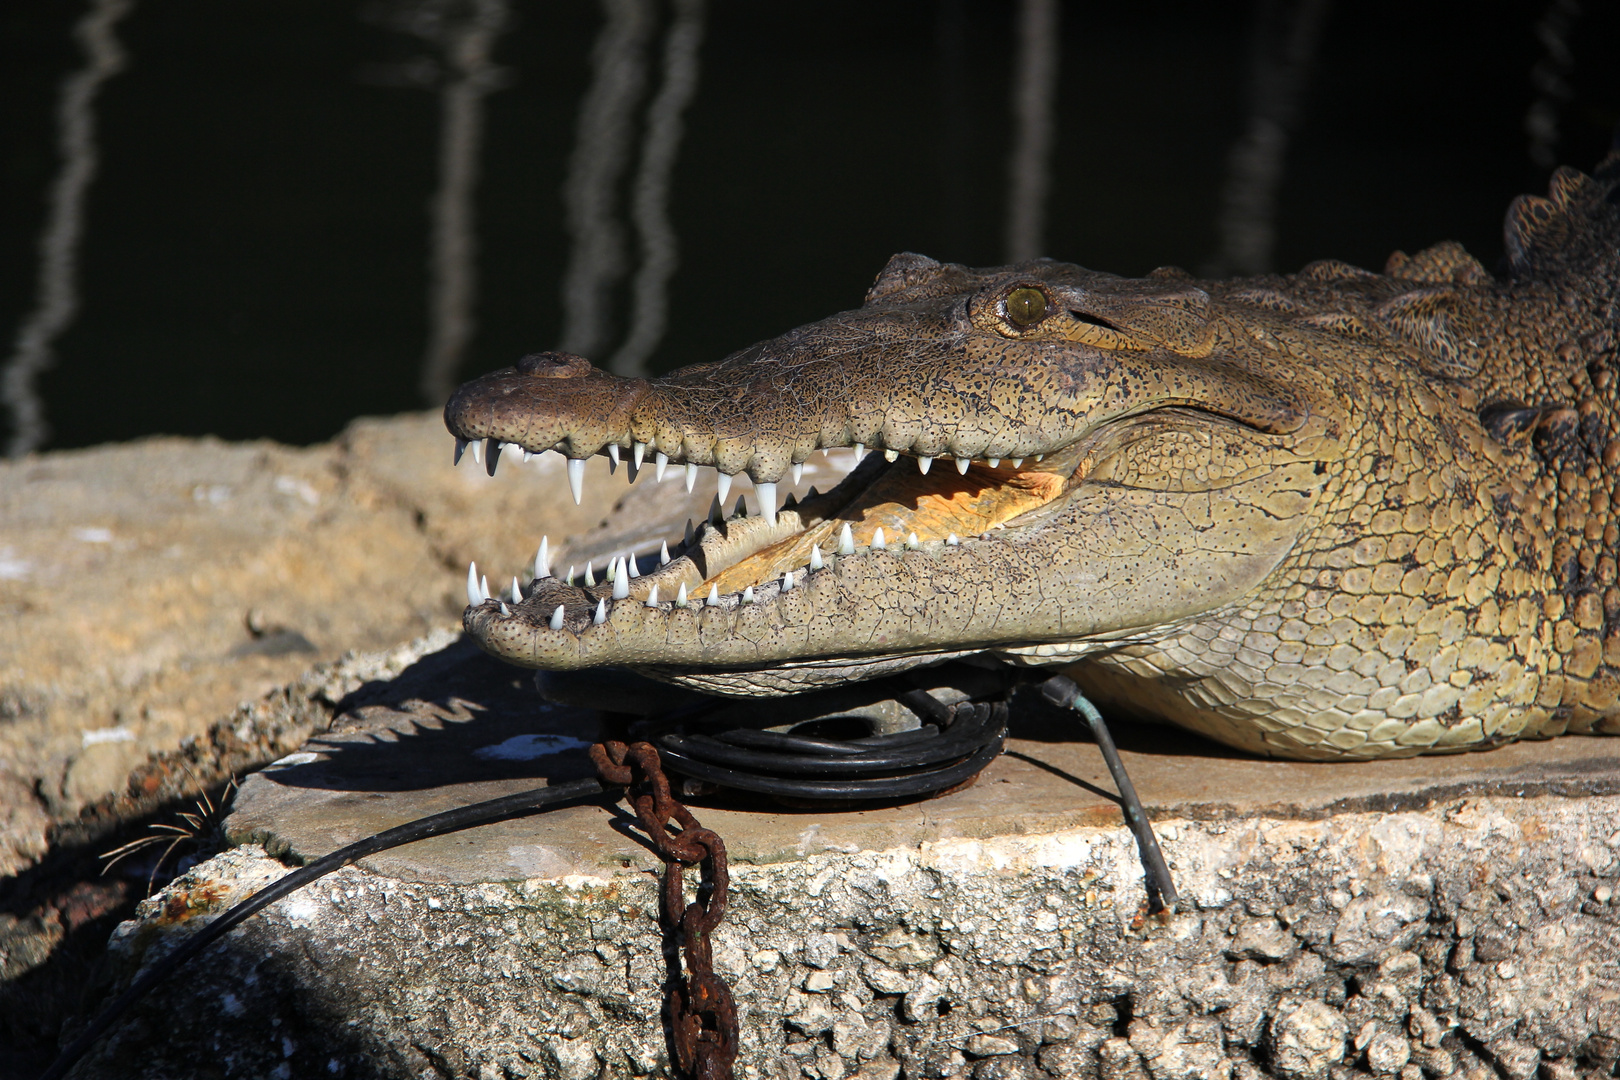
[[456, 716]]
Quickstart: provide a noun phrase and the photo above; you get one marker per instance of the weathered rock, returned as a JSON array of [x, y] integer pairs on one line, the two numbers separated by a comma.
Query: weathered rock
[[1306, 1037], [151, 590], [1444, 905]]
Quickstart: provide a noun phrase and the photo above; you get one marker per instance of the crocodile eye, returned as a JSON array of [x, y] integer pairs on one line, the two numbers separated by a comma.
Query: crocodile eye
[[1026, 306]]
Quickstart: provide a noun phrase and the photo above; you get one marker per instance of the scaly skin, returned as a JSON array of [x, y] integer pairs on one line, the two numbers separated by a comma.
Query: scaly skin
[[1329, 515]]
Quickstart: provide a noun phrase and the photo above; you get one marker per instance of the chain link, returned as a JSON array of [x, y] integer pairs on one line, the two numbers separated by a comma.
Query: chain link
[[699, 1009]]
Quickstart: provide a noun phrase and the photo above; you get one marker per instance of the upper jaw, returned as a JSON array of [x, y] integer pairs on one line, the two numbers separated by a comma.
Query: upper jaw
[[900, 378]]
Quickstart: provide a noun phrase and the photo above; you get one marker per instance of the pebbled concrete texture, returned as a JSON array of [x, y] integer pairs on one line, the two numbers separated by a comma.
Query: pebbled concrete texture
[[1433, 918]]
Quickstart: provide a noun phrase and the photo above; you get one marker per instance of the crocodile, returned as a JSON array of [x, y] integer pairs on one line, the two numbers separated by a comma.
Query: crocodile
[[1330, 515]]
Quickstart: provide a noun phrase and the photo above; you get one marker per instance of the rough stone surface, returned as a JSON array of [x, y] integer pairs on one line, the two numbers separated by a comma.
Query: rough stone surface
[[162, 604], [150, 591], [1451, 916]]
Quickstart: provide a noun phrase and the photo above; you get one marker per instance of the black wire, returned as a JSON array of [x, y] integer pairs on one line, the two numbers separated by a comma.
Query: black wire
[[776, 740], [876, 767], [420, 829], [1161, 890]]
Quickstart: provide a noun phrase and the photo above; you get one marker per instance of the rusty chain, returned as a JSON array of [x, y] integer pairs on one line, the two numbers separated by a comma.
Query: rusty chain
[[699, 1009]]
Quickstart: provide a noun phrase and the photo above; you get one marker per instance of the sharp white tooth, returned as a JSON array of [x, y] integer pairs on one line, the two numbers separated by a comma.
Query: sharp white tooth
[[492, 454], [638, 451], [529, 455], [1018, 462], [569, 580], [483, 588], [723, 486], [911, 542], [660, 463], [748, 594], [879, 543], [680, 597], [611, 573], [767, 500], [690, 535], [952, 541], [714, 596], [995, 463], [556, 618], [787, 581], [621, 585], [478, 451], [663, 553], [923, 464], [576, 478], [652, 596], [504, 609], [613, 457], [815, 557], [691, 476], [891, 455], [461, 448], [1038, 457], [601, 613], [961, 465], [590, 577], [542, 559], [846, 540], [473, 598], [716, 512], [860, 452], [797, 469], [517, 592], [741, 509], [634, 564]]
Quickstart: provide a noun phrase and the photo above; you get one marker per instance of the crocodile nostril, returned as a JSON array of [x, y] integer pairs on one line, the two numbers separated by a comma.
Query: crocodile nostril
[[554, 365]]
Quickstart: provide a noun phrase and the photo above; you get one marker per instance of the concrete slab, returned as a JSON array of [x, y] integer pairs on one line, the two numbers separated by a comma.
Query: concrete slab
[[1433, 917], [458, 727]]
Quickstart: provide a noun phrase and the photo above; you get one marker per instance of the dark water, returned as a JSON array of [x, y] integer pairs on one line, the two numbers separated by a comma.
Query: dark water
[[255, 256]]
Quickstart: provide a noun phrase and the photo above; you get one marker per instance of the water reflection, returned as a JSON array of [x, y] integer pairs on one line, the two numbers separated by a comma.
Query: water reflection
[[57, 292], [660, 182]]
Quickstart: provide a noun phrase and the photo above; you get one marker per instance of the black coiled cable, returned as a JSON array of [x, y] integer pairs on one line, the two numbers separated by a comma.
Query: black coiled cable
[[938, 756]]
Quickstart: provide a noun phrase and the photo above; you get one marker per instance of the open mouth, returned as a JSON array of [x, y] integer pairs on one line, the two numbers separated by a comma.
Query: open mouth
[[890, 503]]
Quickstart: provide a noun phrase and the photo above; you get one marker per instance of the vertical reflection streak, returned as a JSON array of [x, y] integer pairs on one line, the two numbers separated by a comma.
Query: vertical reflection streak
[[649, 204], [596, 259], [1029, 165], [57, 291], [1550, 78], [453, 263], [1285, 38]]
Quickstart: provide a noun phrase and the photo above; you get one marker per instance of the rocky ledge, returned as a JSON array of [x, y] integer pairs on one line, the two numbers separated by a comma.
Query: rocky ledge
[[1432, 917], [176, 611]]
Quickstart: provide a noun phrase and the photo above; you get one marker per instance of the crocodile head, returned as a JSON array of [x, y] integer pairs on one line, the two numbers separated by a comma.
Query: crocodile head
[[1058, 461], [1324, 515]]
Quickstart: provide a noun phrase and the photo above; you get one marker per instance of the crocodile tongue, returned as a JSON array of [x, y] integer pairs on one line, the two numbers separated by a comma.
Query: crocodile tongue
[[899, 507]]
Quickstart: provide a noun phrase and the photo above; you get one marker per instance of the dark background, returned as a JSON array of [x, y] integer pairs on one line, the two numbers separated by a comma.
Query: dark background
[[256, 256]]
